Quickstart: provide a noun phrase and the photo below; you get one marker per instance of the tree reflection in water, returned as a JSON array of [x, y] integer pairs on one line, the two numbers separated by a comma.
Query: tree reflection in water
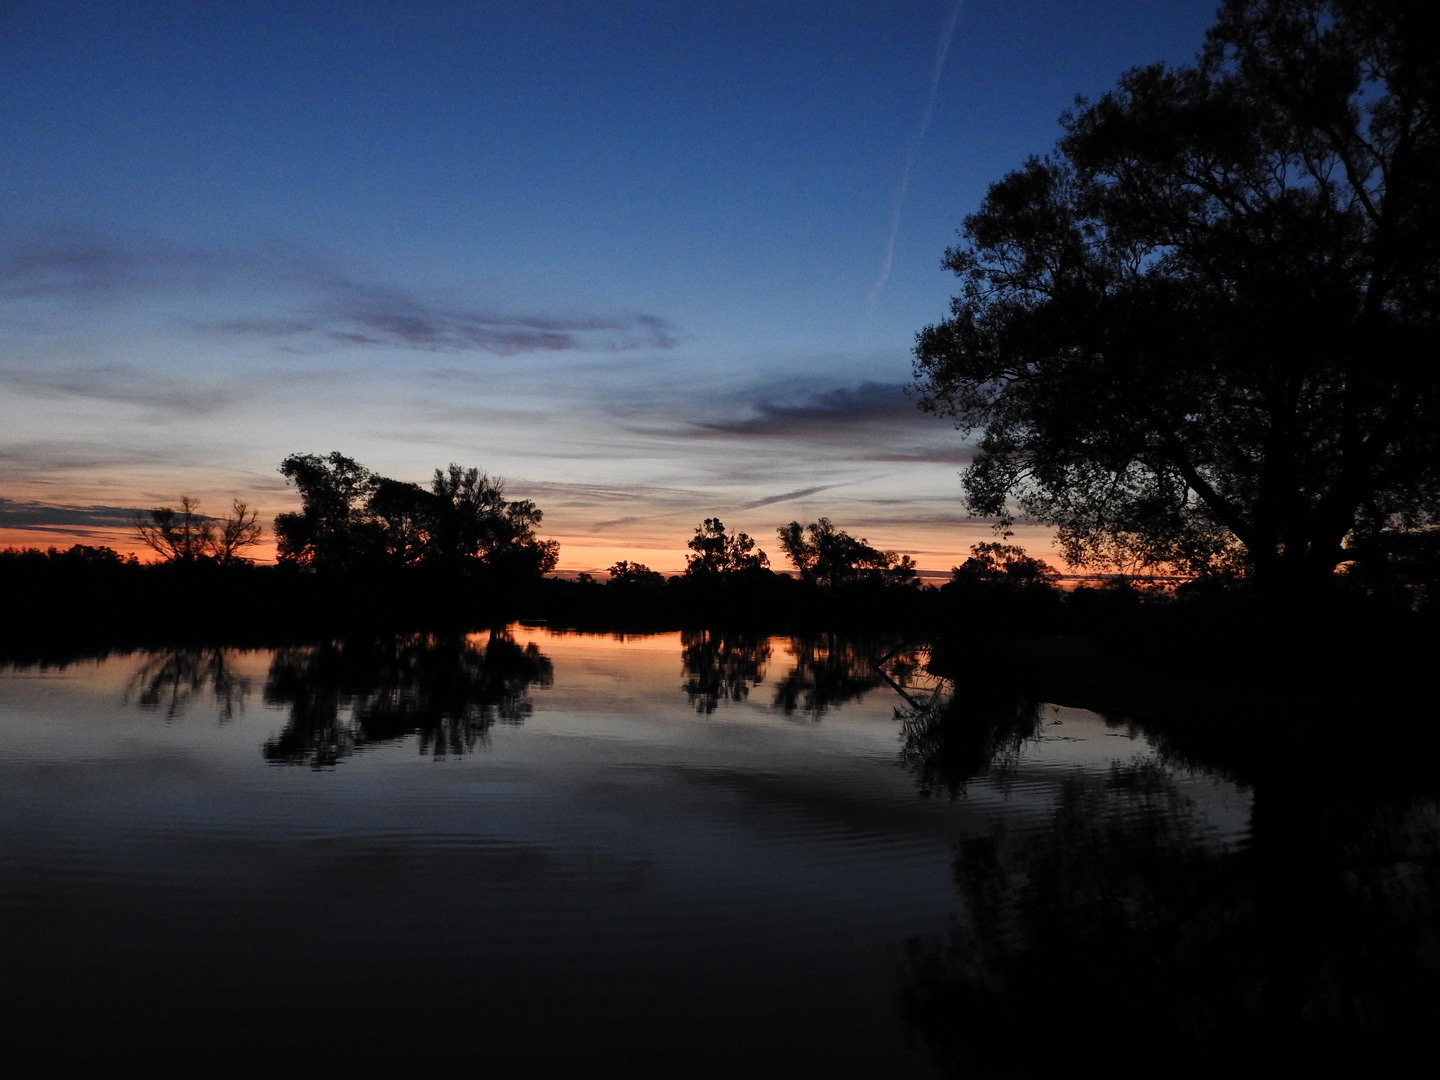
[[172, 678], [1123, 911], [1293, 949], [951, 738], [721, 665], [445, 689], [829, 670]]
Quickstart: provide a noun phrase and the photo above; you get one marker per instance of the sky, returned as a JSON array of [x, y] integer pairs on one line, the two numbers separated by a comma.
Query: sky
[[649, 262]]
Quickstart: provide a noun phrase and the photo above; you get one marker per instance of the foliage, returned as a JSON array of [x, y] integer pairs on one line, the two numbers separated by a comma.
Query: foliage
[[334, 493], [186, 535], [176, 535], [718, 553], [1400, 567], [352, 518], [1202, 333], [1008, 563], [234, 532], [628, 574], [826, 555]]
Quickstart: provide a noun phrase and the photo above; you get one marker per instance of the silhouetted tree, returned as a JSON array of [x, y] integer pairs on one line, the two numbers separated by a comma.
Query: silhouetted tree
[[1203, 331], [516, 549], [826, 555], [353, 518], [719, 553], [1000, 562], [236, 531], [628, 574], [401, 518], [187, 535], [1001, 590], [329, 531], [181, 536], [469, 506]]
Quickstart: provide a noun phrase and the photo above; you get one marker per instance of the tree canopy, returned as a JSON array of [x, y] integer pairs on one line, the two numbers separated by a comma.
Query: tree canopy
[[718, 553], [826, 555], [187, 535], [1203, 331], [352, 518]]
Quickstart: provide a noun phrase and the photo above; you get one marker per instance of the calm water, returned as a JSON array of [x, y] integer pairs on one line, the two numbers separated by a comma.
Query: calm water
[[537, 852]]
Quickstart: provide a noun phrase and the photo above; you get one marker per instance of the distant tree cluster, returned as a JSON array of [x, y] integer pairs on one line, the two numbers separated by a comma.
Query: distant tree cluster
[[352, 518]]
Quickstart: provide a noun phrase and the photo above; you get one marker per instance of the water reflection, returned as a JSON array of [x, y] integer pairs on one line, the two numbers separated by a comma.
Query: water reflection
[[171, 679], [1124, 910], [829, 671], [721, 666], [952, 737], [445, 689], [1313, 942], [1097, 916]]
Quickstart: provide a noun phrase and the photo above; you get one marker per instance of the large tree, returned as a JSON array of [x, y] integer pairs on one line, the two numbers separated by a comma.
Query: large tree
[[353, 518], [826, 555], [333, 529], [718, 553], [186, 535], [1204, 331]]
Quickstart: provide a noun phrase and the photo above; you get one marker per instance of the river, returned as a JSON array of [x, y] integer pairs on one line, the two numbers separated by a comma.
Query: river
[[522, 852]]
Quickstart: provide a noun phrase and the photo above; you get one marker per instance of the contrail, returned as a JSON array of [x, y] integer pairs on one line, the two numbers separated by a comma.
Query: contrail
[[899, 204]]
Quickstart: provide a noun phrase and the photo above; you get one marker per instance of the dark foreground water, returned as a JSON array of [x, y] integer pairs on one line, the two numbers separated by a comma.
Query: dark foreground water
[[534, 854]]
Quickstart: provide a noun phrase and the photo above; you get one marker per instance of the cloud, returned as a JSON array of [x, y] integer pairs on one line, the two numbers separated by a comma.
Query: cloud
[[369, 315], [34, 515], [923, 455], [830, 411], [771, 500], [317, 303], [75, 265], [123, 385]]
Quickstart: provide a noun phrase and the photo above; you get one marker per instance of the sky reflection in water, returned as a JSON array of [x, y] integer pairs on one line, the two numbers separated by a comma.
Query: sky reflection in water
[[520, 851]]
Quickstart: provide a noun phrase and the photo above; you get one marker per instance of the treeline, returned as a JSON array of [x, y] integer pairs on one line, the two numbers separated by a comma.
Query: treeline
[[365, 552]]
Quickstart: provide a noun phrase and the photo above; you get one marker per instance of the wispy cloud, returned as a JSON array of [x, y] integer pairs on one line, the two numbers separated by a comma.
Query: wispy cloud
[[359, 314], [123, 385], [69, 264], [829, 411], [311, 302], [771, 500]]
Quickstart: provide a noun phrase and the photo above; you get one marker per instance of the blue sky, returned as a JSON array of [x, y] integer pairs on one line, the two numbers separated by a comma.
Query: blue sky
[[649, 262]]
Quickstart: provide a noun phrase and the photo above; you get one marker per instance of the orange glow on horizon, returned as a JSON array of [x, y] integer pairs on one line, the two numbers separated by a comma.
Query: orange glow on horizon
[[578, 553]]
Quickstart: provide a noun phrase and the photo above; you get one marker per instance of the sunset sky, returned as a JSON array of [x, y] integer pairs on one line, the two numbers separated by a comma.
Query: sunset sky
[[649, 262]]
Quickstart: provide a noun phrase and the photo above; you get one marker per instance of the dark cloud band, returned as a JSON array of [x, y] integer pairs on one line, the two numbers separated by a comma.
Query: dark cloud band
[[33, 515]]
